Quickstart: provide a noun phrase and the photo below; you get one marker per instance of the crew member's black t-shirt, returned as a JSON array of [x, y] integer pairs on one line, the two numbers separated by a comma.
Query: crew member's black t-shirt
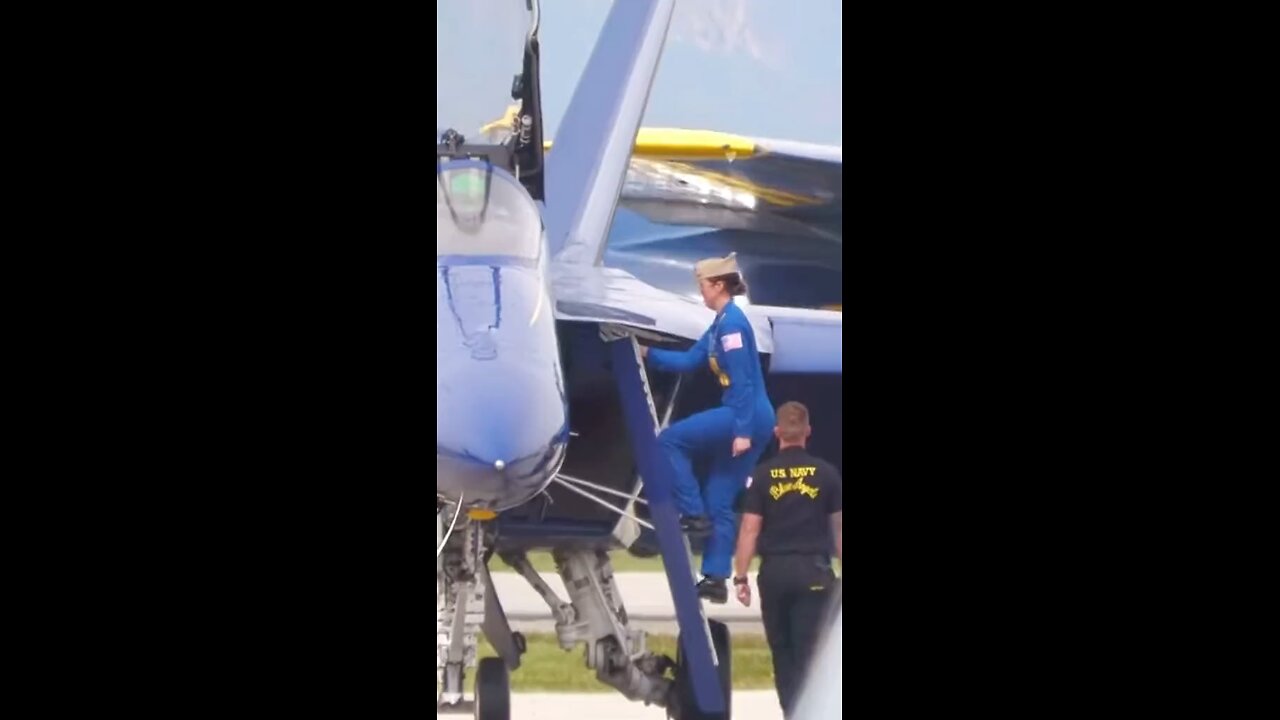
[[796, 493]]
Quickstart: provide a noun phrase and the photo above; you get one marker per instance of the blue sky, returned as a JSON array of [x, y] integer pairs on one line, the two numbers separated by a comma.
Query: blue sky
[[766, 68]]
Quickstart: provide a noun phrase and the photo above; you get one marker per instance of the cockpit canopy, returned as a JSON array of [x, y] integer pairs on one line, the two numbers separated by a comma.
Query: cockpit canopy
[[481, 210]]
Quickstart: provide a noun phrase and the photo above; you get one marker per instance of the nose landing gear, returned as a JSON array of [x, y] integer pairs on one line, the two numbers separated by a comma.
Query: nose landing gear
[[493, 690]]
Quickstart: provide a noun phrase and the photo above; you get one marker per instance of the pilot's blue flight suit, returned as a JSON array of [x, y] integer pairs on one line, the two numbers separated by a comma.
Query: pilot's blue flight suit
[[729, 348]]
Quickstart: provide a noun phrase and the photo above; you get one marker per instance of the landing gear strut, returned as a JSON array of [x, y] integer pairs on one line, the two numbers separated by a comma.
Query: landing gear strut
[[596, 617], [462, 587]]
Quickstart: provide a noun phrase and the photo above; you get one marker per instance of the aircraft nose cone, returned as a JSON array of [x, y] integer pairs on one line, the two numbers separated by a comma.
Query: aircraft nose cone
[[500, 432], [496, 416]]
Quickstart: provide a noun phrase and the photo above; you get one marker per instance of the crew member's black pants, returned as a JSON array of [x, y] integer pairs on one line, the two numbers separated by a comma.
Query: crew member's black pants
[[794, 593]]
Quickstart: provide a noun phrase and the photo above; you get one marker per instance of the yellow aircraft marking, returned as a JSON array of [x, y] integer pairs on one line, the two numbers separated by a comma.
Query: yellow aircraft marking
[[665, 143], [675, 143], [681, 144]]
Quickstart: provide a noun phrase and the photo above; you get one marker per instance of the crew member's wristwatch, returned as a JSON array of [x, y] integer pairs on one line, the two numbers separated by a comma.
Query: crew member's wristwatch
[[740, 580]]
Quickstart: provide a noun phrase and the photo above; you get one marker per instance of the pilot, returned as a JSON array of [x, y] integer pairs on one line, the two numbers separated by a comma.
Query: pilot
[[731, 436], [795, 509]]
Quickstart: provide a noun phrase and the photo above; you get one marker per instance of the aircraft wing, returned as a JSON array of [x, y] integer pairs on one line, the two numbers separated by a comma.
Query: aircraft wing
[[727, 181], [802, 340], [608, 295], [720, 180], [799, 340], [584, 175]]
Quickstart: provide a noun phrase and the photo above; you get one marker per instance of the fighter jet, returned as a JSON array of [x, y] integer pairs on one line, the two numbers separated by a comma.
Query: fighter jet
[[555, 261]]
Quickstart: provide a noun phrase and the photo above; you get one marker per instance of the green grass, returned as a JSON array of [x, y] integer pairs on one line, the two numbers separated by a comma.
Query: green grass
[[545, 667], [621, 560]]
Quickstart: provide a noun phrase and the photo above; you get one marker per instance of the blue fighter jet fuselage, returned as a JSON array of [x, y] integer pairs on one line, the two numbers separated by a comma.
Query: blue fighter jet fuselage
[[501, 409]]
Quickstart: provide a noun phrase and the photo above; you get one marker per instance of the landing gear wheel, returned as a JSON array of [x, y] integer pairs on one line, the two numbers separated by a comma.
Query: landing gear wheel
[[522, 646], [493, 690], [683, 695]]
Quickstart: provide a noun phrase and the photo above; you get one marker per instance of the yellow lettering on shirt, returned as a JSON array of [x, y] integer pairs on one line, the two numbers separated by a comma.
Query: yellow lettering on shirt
[[777, 490], [793, 472]]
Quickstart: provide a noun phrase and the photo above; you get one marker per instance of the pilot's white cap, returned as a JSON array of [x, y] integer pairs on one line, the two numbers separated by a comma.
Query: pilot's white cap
[[715, 267]]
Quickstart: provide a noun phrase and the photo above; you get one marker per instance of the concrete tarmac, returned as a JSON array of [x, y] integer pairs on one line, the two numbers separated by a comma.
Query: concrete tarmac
[[646, 596], [747, 705]]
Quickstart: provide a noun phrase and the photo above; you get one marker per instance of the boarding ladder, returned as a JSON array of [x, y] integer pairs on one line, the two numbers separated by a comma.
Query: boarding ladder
[[677, 554]]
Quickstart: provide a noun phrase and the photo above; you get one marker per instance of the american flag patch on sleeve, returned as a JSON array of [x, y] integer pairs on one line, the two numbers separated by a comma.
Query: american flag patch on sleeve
[[732, 341]]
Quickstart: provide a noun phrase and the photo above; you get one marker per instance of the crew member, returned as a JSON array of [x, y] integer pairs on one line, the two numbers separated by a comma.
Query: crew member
[[794, 514], [733, 435]]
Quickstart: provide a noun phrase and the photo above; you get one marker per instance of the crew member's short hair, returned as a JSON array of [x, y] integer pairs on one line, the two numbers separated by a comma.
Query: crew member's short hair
[[793, 421], [733, 284]]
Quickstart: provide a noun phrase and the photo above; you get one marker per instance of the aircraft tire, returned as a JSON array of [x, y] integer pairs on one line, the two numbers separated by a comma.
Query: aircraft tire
[[688, 709], [493, 690]]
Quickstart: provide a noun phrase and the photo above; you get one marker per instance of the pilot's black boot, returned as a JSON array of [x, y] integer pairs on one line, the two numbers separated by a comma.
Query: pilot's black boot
[[696, 525], [645, 546], [713, 589]]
